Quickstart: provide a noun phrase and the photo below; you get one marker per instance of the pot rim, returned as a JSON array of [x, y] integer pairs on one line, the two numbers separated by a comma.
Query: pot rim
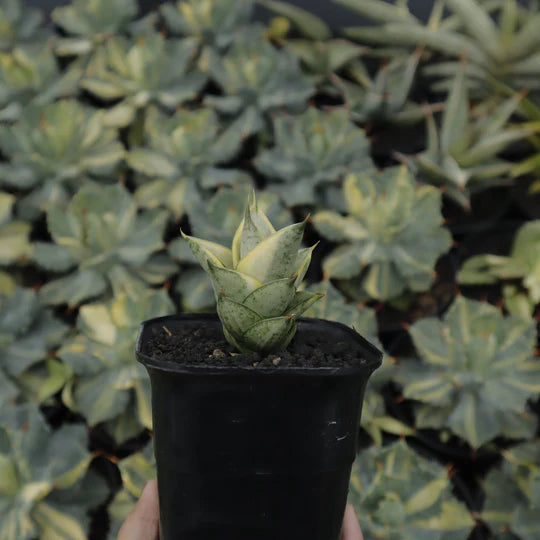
[[372, 355]]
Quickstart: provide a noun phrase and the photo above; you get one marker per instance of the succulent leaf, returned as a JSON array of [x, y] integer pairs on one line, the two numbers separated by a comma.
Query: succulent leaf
[[256, 288]]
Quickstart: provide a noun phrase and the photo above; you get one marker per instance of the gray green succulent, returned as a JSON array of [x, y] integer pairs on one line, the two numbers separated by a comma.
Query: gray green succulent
[[107, 385], [182, 159], [102, 242], [256, 281], [399, 495], [45, 490], [20, 24], [477, 372], [523, 263], [463, 155], [256, 79], [312, 154], [391, 237], [514, 510], [149, 70], [52, 149], [14, 243]]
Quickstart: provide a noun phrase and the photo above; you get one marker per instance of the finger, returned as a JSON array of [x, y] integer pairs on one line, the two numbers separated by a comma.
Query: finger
[[351, 527], [143, 521]]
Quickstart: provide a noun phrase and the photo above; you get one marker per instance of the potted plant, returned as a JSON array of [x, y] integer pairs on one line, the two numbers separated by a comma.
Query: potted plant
[[255, 413]]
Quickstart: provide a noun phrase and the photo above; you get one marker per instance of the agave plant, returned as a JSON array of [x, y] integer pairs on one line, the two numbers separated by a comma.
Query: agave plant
[[216, 220], [399, 495], [150, 70], [91, 23], [30, 75], [182, 159], [20, 24], [463, 154], [313, 152], [392, 236], [477, 372], [523, 263], [102, 242], [14, 245], [256, 281], [135, 471], [45, 491], [28, 332], [107, 386], [514, 509], [257, 78], [52, 149], [499, 39], [213, 23]]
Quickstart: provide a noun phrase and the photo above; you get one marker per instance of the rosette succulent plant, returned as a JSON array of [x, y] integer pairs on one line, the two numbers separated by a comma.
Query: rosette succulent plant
[[28, 332], [256, 281], [523, 263], [20, 24], [91, 23], [399, 495], [213, 23], [30, 75], [393, 234], [514, 511], [52, 149], [150, 70], [107, 386], [477, 372], [181, 159], [257, 78], [14, 244], [463, 154], [45, 489], [313, 152], [102, 242]]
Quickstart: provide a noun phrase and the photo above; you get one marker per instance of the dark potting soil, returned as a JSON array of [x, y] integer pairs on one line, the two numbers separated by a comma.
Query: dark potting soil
[[205, 345]]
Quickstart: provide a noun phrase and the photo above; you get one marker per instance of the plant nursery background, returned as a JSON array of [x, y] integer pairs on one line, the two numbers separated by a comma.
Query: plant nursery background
[[412, 140]]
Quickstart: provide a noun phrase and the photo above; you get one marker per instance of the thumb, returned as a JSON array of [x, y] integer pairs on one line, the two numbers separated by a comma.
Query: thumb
[[143, 521], [351, 528]]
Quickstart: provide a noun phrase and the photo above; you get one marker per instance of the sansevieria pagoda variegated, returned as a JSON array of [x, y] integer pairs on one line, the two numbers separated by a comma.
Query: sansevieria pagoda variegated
[[256, 281]]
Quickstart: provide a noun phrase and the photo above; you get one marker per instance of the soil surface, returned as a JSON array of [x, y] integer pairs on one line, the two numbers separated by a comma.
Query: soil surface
[[204, 344]]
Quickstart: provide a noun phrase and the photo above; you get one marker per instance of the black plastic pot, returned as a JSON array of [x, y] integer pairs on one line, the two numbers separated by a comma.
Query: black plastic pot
[[250, 453]]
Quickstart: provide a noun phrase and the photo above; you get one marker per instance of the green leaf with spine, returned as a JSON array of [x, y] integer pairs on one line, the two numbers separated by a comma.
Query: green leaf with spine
[[30, 75], [463, 154], [102, 242], [135, 471], [523, 263], [392, 235], [91, 23], [213, 23], [217, 220], [149, 70], [52, 149], [28, 332], [514, 509], [398, 495], [256, 79], [20, 24], [107, 385], [256, 281], [45, 490], [334, 307], [14, 244], [181, 160], [499, 39], [477, 372], [313, 151]]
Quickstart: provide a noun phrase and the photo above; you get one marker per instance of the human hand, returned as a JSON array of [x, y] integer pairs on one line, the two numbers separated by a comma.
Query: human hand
[[143, 521]]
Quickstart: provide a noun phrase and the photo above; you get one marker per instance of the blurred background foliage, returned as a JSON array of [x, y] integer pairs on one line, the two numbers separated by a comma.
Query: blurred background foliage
[[411, 141]]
